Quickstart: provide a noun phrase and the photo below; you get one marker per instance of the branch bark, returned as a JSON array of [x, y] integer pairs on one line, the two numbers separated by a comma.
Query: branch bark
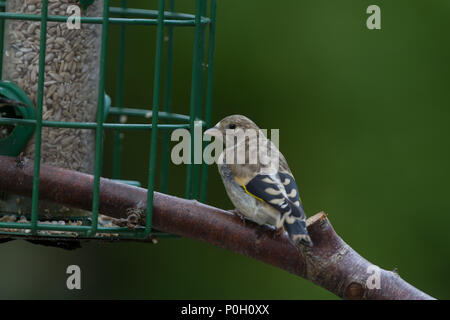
[[330, 263]]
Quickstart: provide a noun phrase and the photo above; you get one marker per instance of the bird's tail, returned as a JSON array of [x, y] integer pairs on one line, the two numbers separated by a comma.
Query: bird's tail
[[298, 233]]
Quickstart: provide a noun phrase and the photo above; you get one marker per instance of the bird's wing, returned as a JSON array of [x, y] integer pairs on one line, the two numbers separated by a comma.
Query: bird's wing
[[279, 191], [290, 186]]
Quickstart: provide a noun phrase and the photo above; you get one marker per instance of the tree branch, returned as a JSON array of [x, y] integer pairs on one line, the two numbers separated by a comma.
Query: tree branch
[[330, 263]]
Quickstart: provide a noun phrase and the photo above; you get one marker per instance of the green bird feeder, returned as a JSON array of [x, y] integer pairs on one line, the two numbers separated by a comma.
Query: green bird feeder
[[58, 70]]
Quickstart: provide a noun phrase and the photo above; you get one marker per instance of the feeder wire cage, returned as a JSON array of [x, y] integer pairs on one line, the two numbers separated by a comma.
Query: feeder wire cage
[[165, 20]]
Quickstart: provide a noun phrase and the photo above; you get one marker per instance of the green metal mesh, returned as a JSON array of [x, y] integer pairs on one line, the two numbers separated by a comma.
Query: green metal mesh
[[165, 20]]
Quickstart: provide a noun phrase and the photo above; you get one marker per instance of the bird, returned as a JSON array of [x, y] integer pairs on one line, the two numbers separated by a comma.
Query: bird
[[257, 178]]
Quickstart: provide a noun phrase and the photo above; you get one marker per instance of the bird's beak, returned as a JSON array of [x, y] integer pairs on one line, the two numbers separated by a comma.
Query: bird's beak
[[214, 131]]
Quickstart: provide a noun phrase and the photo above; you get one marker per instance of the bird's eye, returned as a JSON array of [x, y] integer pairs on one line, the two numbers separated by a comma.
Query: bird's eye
[[232, 126]]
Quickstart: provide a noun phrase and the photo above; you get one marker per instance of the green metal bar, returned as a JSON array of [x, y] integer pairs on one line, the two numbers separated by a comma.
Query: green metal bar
[[149, 114], [58, 227], [129, 182], [152, 13], [155, 233], [43, 237], [164, 186], [209, 91], [100, 120], [140, 13], [74, 228], [118, 135], [44, 226], [99, 20], [2, 37], [189, 168], [90, 125], [40, 101], [124, 233], [196, 96], [200, 92], [156, 94]]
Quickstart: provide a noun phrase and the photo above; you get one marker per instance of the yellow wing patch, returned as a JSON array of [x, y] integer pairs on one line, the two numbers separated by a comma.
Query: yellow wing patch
[[246, 191]]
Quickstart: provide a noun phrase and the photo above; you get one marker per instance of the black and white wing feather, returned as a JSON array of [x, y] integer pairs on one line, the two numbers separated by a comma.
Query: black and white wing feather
[[280, 191]]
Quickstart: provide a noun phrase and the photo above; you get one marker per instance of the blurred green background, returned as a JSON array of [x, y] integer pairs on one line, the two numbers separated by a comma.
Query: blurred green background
[[363, 118]]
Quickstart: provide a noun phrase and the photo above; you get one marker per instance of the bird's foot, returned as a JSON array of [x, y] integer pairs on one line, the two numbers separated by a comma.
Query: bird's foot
[[278, 233], [239, 215]]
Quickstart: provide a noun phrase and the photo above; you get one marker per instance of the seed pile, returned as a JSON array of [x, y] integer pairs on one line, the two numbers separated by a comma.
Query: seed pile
[[71, 77]]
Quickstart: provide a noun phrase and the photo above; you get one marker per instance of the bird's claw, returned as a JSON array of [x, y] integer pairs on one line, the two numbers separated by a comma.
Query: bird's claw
[[239, 215], [277, 233]]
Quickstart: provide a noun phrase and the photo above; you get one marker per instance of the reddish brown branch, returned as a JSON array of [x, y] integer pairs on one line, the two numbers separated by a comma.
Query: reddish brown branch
[[330, 263]]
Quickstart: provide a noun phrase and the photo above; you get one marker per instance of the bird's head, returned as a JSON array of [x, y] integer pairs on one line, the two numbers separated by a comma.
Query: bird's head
[[232, 126]]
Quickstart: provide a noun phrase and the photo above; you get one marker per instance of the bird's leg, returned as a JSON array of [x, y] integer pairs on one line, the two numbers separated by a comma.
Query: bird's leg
[[239, 215], [278, 232]]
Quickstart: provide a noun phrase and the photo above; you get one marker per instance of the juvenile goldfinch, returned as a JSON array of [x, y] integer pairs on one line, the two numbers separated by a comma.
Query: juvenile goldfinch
[[257, 178]]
